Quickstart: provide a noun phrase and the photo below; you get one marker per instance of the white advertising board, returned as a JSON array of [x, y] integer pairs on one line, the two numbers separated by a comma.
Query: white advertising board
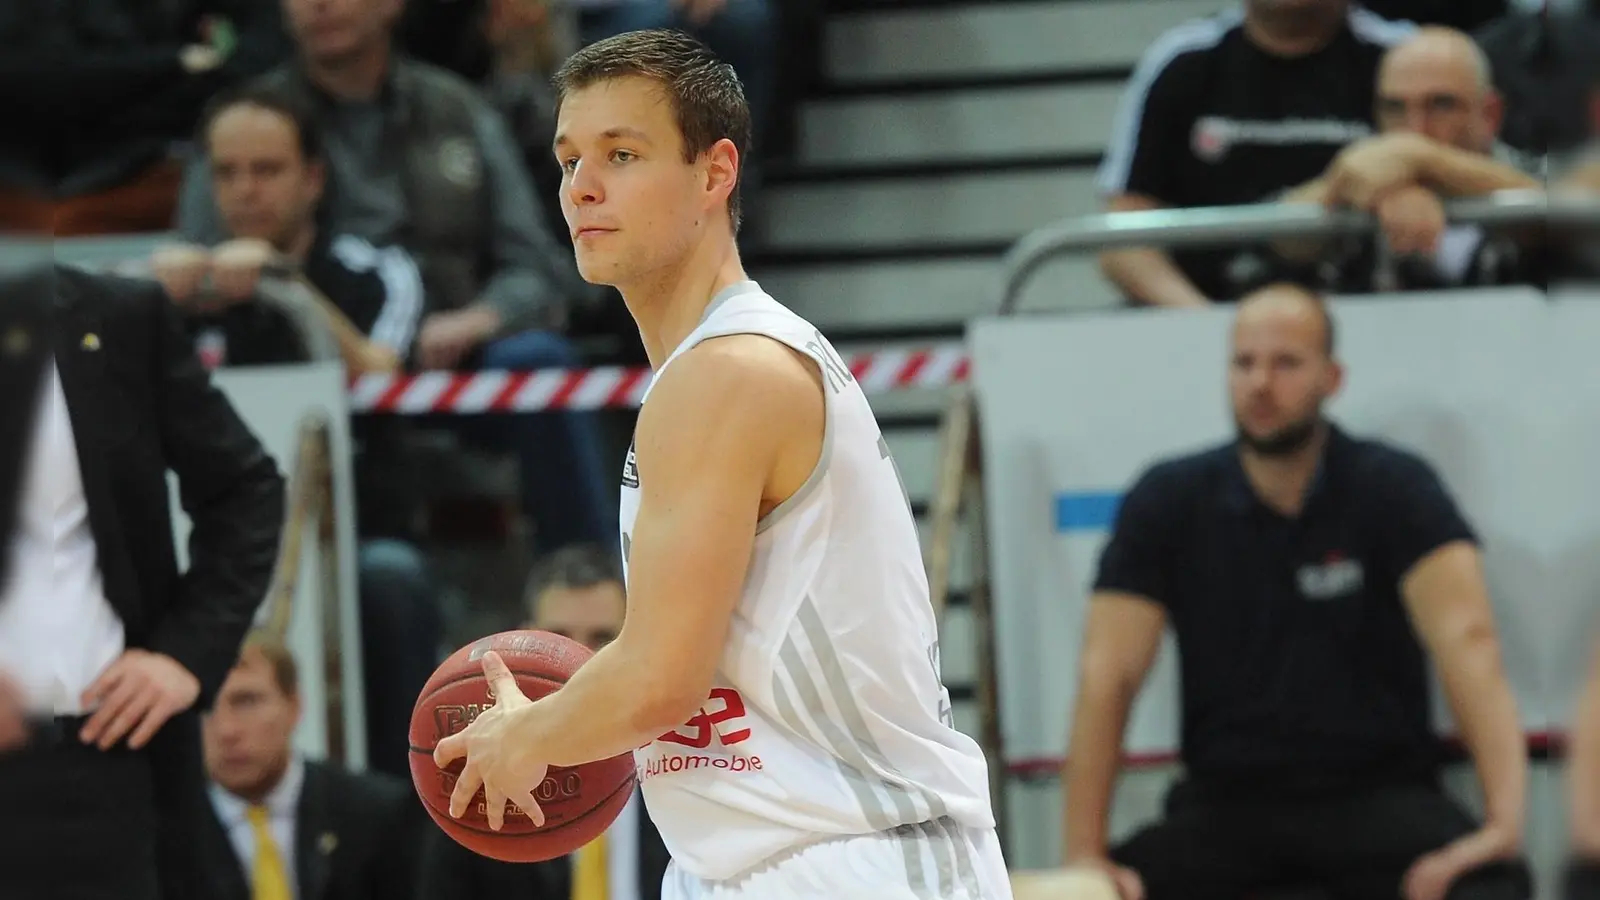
[[274, 402], [1499, 390]]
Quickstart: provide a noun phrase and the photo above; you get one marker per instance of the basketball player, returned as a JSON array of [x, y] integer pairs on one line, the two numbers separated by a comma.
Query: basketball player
[[779, 663]]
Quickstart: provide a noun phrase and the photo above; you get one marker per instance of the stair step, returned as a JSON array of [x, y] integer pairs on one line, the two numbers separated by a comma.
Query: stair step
[[973, 207], [899, 42], [841, 298], [975, 125]]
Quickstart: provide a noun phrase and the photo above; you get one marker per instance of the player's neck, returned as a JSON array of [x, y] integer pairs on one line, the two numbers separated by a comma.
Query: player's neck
[[671, 305]]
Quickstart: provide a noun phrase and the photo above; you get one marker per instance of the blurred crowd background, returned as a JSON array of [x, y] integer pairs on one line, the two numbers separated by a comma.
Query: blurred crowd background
[[394, 156]]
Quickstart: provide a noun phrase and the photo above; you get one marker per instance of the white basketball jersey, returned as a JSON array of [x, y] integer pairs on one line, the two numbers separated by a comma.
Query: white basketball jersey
[[828, 716]]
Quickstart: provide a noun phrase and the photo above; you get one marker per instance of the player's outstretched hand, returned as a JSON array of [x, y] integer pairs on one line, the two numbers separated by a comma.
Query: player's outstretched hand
[[495, 759]]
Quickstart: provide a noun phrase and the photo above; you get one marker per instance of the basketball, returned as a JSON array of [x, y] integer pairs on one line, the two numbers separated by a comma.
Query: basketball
[[578, 803]]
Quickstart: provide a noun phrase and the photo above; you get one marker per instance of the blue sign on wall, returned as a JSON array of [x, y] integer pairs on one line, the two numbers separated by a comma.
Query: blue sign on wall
[[1086, 510]]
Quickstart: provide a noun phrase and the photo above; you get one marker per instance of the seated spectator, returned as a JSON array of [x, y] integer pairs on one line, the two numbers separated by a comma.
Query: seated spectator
[[577, 592], [96, 93], [526, 44], [1298, 567], [417, 158], [265, 155], [1583, 772], [1439, 116], [464, 35], [1235, 109], [1543, 62], [525, 50], [283, 826]]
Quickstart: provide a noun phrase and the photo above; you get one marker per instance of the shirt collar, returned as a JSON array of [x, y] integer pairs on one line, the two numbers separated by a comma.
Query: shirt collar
[[1240, 497], [280, 802]]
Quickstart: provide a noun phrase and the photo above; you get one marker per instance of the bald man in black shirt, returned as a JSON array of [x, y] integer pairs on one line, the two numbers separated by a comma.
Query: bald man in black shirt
[[1309, 576]]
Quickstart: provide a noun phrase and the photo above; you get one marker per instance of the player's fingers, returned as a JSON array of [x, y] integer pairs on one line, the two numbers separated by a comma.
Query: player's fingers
[[525, 802], [466, 785], [494, 804], [450, 749], [502, 683]]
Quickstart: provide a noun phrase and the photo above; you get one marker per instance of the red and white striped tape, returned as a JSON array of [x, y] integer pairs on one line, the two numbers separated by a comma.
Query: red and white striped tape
[[465, 393]]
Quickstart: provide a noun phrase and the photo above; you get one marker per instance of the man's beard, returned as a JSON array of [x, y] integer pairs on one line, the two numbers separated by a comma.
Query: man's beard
[[1286, 441]]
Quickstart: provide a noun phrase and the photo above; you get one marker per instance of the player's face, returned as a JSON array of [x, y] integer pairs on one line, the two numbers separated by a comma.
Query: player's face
[[592, 616], [633, 204], [1280, 373], [248, 731], [264, 186]]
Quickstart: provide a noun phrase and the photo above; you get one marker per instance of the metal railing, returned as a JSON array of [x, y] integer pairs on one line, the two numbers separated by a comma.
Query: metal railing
[[1213, 225]]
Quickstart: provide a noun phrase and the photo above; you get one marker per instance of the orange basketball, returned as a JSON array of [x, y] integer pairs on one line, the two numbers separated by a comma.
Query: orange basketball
[[578, 803]]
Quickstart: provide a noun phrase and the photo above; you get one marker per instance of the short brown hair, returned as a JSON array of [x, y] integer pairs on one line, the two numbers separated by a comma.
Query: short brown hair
[[576, 567], [707, 97], [308, 130], [278, 655]]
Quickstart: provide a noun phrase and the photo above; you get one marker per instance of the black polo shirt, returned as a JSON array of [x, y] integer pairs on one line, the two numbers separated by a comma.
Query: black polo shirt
[[1298, 658], [1210, 119], [379, 289]]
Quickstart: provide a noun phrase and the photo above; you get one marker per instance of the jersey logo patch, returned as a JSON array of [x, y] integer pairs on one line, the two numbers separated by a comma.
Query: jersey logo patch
[[630, 469]]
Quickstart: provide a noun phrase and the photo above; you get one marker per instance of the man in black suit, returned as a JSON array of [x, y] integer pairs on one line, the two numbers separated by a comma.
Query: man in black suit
[[105, 645], [282, 827], [577, 592]]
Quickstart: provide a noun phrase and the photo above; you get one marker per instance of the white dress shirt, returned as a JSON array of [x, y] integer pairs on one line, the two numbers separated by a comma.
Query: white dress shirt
[[58, 631], [281, 804]]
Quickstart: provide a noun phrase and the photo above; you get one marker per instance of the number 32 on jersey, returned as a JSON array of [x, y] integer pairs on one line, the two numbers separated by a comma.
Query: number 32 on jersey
[[723, 707]]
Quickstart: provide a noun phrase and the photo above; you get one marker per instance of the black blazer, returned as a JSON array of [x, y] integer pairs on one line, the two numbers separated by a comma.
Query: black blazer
[[141, 405], [356, 838], [452, 872], [24, 346]]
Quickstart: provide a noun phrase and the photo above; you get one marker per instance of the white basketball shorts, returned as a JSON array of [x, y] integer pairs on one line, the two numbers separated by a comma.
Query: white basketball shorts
[[937, 860]]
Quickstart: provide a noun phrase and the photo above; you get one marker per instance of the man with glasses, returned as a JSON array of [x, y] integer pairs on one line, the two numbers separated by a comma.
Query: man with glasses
[[1438, 117]]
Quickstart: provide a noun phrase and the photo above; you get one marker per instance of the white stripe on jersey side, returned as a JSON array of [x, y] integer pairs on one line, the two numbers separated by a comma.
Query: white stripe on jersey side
[[944, 870], [1375, 29], [832, 670], [852, 741], [1199, 34], [871, 806], [955, 833], [851, 761]]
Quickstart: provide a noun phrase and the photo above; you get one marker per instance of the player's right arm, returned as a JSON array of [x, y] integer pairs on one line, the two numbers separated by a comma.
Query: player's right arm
[[1583, 766], [1122, 632]]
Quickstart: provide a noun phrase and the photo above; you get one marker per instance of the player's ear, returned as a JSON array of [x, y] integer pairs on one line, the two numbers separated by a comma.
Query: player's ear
[[722, 171]]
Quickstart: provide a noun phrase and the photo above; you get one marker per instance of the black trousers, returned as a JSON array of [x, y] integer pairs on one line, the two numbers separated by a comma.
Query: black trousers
[[1216, 844], [1583, 880], [76, 823]]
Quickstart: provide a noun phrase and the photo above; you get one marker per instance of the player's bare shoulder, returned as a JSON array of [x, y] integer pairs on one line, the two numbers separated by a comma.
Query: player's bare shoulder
[[743, 394], [747, 376]]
